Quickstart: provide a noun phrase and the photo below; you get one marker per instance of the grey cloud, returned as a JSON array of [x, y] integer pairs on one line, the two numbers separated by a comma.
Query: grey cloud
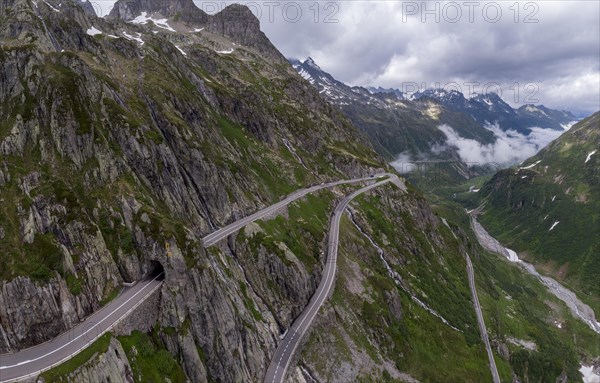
[[370, 42]]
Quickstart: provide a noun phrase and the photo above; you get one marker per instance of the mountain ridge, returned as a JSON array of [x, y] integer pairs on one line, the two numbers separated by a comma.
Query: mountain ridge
[[539, 207], [483, 109]]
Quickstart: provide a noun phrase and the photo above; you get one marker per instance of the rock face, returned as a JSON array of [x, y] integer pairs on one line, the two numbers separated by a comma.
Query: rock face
[[143, 318], [185, 9], [119, 153], [235, 22], [30, 313], [111, 366]]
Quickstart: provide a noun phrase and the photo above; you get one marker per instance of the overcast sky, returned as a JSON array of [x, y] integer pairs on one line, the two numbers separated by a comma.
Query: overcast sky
[[549, 49]]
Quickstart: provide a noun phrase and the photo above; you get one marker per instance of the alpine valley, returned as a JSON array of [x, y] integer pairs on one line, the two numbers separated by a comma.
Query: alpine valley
[[181, 203]]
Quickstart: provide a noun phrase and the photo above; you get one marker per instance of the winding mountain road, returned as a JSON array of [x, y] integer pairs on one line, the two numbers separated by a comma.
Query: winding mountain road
[[32, 361], [222, 233], [286, 349]]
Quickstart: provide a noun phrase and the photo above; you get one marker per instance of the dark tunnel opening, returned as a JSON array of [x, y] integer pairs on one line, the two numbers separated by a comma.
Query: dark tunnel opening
[[156, 270]]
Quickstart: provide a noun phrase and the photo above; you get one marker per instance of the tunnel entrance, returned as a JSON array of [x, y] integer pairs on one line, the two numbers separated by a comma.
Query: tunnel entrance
[[156, 270]]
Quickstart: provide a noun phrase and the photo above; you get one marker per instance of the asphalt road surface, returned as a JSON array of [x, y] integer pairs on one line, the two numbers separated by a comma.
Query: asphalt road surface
[[31, 362], [222, 233], [285, 351], [482, 329], [37, 359]]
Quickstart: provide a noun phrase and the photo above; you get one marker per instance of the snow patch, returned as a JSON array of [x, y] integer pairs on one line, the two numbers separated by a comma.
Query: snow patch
[[130, 37], [588, 374], [558, 324], [590, 154], [181, 50], [530, 166], [48, 4], [93, 31], [512, 255], [227, 52], [554, 225], [304, 74], [161, 23]]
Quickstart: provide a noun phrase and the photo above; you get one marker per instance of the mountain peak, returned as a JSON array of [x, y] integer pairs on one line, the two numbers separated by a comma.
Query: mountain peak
[[393, 91], [235, 22], [442, 95], [309, 61], [186, 10]]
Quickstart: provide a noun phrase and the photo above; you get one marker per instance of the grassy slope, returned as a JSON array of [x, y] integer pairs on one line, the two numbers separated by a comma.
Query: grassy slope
[[60, 372], [516, 305], [359, 321], [523, 205], [150, 361]]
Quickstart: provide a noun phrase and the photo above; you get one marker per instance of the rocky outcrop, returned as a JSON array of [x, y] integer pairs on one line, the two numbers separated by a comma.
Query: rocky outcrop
[[282, 281], [235, 22], [31, 314], [185, 10], [238, 23], [110, 366], [117, 156], [87, 7]]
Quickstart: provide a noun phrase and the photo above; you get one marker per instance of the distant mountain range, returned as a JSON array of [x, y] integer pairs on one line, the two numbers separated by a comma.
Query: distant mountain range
[[393, 123], [399, 123], [490, 108]]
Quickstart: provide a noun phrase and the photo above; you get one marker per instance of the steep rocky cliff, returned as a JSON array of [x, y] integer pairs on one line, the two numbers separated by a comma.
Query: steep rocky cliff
[[116, 140]]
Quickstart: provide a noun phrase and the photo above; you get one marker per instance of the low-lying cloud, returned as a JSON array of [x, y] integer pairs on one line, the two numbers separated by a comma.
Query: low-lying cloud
[[511, 147], [404, 163]]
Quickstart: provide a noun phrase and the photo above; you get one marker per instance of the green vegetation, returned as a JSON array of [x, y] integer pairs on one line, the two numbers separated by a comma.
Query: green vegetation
[[43, 258], [110, 296], [302, 231], [250, 304], [74, 284], [61, 372], [516, 305], [447, 292], [149, 360], [557, 187], [382, 320]]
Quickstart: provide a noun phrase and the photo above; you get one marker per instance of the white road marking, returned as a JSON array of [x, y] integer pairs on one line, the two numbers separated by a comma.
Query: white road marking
[[324, 288], [84, 333], [211, 239]]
